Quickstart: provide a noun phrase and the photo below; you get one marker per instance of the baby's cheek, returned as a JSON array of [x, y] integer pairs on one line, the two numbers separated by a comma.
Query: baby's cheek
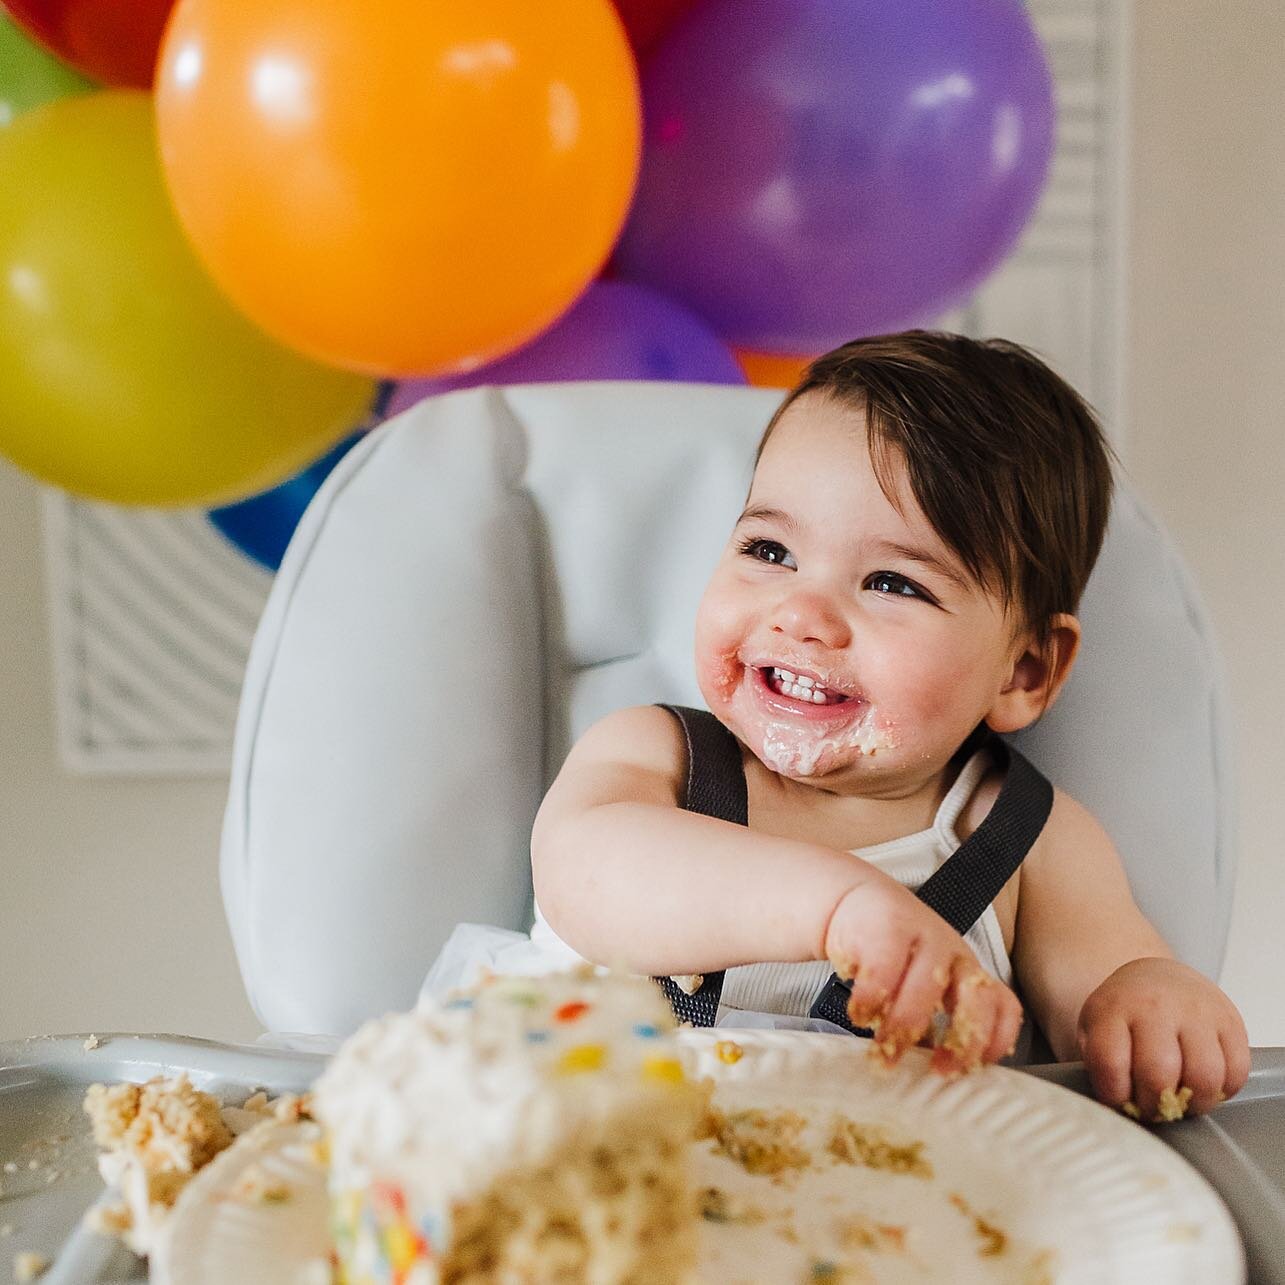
[[718, 673]]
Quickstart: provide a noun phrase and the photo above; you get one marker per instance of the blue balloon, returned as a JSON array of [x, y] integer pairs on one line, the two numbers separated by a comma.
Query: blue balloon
[[262, 525]]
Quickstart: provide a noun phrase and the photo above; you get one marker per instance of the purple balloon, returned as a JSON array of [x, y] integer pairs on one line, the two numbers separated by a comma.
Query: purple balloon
[[615, 330], [815, 170]]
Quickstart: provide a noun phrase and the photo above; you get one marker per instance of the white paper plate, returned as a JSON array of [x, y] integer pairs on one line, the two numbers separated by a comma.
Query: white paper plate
[[1020, 1181]]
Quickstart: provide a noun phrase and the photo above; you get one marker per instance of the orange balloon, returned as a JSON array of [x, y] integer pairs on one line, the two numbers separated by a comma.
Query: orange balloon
[[394, 186], [770, 370]]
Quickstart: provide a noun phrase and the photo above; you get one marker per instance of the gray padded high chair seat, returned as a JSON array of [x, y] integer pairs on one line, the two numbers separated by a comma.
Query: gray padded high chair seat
[[495, 569]]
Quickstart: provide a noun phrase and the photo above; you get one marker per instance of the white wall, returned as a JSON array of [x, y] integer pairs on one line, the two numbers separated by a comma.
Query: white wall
[[1206, 371], [110, 916], [109, 909]]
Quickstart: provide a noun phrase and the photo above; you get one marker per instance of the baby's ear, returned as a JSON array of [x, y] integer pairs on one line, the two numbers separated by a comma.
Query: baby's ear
[[1037, 676]]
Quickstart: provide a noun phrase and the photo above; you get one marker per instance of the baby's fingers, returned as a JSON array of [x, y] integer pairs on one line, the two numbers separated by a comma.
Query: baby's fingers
[[973, 1000], [1204, 1070], [1008, 1025], [1106, 1045], [910, 1011], [1236, 1058], [873, 982], [1157, 1066]]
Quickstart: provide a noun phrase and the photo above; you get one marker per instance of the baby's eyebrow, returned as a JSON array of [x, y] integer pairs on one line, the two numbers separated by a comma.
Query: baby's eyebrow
[[765, 513], [913, 554]]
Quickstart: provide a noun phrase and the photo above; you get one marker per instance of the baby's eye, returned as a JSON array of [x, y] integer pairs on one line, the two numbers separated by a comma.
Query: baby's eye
[[769, 551], [891, 582]]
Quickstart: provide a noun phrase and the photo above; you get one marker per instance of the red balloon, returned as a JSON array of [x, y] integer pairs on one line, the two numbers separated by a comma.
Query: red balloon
[[112, 41], [647, 20]]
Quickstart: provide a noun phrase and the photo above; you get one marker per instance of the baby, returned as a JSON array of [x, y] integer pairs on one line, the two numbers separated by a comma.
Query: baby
[[924, 514]]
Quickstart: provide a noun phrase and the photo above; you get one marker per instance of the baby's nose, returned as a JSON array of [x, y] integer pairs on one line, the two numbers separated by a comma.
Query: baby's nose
[[808, 616]]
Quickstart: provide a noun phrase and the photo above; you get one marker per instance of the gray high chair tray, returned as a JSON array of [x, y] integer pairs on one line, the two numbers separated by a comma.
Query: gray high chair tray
[[44, 1135]]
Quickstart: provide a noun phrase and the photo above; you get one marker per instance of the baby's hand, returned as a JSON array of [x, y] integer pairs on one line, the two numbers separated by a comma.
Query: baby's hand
[[1160, 1041], [907, 964]]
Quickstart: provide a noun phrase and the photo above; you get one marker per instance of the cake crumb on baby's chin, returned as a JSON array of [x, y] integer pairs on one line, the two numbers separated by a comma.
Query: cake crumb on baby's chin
[[27, 1266]]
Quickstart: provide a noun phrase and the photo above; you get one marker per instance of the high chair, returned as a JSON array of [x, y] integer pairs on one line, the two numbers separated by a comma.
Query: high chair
[[493, 570], [478, 581]]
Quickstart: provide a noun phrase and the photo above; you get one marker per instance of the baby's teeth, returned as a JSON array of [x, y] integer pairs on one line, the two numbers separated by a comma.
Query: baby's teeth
[[800, 686]]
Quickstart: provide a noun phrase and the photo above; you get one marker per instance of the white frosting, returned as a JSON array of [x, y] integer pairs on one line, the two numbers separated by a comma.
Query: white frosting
[[794, 747], [443, 1100]]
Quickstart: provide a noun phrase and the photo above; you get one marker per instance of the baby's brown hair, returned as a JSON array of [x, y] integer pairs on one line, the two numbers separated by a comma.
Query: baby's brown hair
[[1007, 461]]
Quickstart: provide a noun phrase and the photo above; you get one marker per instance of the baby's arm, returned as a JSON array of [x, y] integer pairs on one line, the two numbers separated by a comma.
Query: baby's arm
[[1104, 985], [627, 878]]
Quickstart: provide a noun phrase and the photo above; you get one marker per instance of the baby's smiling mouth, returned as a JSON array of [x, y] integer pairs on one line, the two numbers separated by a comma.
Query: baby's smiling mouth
[[800, 687]]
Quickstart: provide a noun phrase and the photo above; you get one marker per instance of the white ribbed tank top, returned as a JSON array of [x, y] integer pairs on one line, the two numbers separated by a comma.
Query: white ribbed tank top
[[790, 988], [787, 989]]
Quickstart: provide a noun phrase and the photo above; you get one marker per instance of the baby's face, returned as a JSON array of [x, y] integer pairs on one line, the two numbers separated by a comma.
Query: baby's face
[[839, 638]]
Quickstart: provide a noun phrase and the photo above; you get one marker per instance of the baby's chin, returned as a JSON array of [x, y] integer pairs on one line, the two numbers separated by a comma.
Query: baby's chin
[[804, 755], [804, 750]]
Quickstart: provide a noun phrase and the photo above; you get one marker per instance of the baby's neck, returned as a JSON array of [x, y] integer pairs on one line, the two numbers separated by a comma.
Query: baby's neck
[[844, 816]]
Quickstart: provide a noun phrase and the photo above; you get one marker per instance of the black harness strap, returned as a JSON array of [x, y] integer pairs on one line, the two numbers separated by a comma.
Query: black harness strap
[[959, 890], [715, 788]]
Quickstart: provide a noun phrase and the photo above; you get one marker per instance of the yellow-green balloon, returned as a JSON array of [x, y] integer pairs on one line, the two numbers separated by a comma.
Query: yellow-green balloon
[[29, 76], [124, 375]]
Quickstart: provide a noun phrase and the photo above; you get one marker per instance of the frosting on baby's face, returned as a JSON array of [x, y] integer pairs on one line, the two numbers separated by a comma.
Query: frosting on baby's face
[[839, 638]]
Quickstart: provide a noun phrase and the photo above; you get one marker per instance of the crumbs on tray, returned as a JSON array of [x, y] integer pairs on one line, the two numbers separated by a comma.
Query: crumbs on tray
[[26, 1267], [156, 1136]]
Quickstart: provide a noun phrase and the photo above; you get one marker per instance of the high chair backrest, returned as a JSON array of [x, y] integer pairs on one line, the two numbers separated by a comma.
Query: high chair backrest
[[493, 570]]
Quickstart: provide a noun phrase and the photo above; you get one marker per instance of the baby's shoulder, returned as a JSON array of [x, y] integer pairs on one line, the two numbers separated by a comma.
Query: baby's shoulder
[[643, 741], [1065, 811]]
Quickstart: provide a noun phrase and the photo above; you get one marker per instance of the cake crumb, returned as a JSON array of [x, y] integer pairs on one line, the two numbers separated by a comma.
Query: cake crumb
[[717, 1206], [256, 1188], [831, 1273], [869, 1145], [111, 1218], [761, 1142], [167, 1124], [860, 1232], [994, 1241], [1172, 1106], [290, 1108], [91, 1043], [1039, 1271], [26, 1267], [154, 1137], [729, 1052], [688, 983]]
